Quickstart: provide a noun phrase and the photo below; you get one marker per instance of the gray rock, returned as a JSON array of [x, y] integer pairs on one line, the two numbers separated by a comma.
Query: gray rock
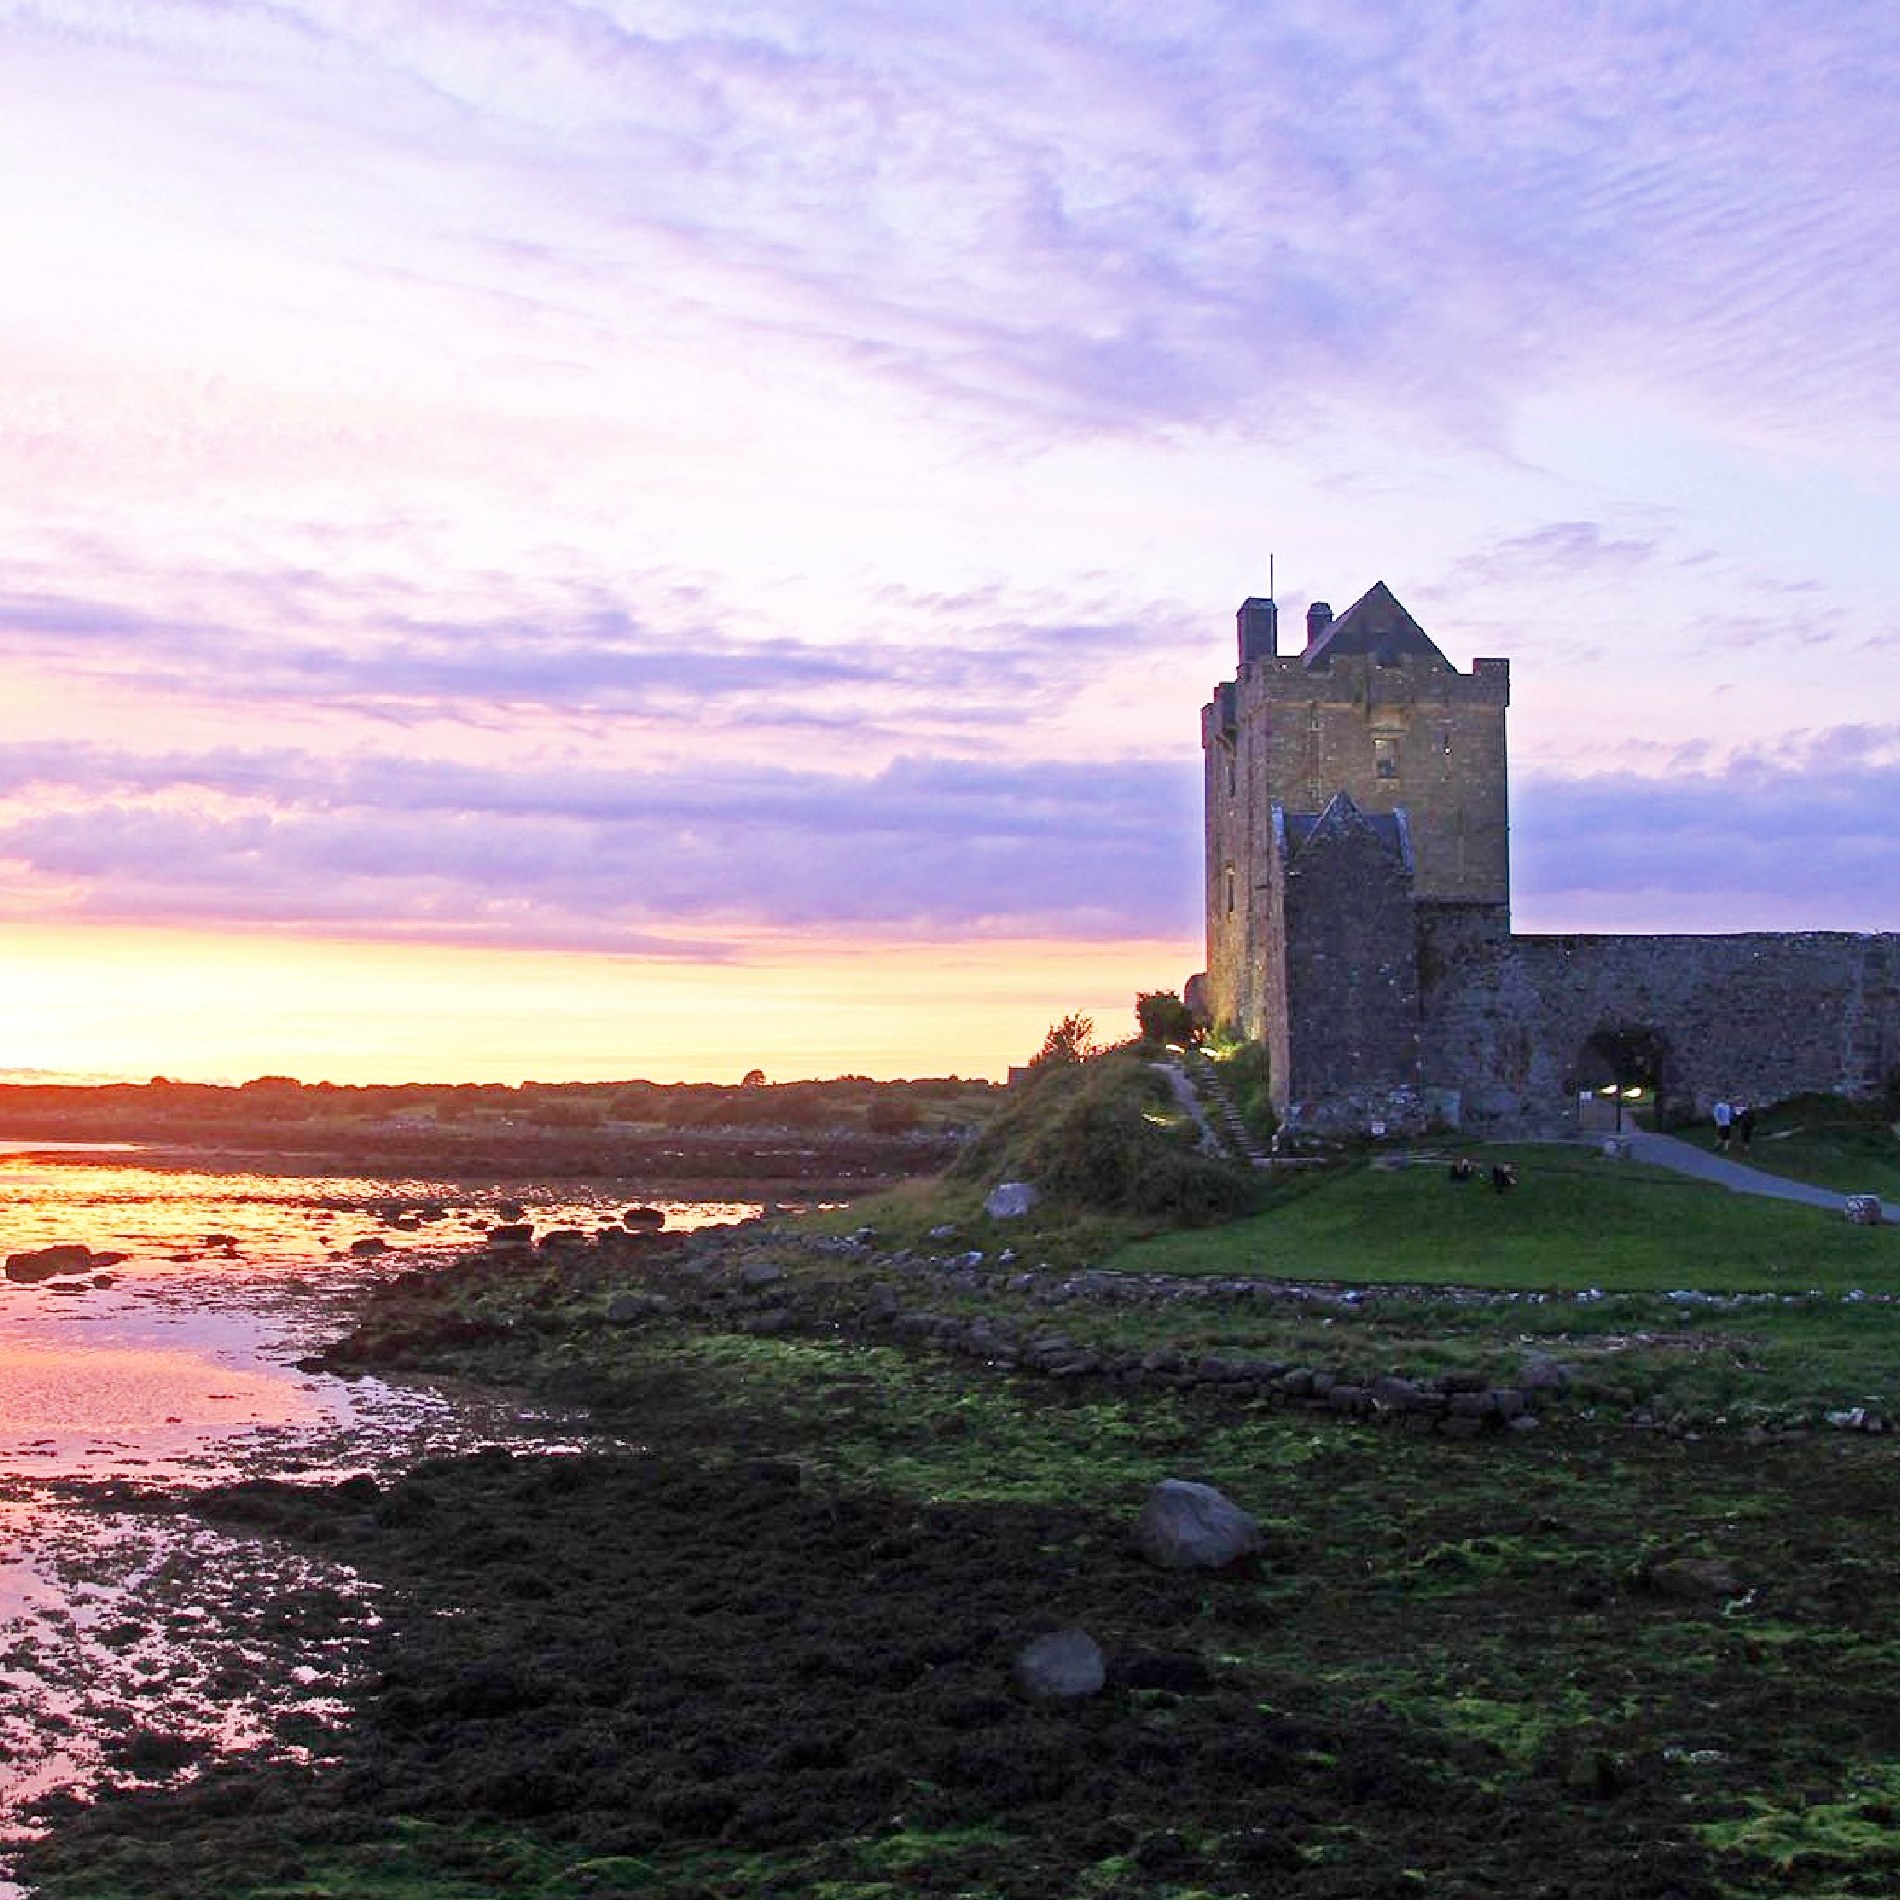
[[511, 1234], [1694, 1579], [1060, 1666], [1188, 1526], [1010, 1200], [1539, 1372], [758, 1273], [628, 1309]]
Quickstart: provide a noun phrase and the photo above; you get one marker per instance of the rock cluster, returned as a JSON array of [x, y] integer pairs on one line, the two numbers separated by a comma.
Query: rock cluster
[[51, 1263]]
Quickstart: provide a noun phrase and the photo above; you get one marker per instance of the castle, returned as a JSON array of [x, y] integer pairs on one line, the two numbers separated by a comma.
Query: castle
[[1359, 916]]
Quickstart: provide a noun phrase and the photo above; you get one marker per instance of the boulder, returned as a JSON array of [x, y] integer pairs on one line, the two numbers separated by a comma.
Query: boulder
[[512, 1234], [45, 1263], [370, 1245], [1188, 1526], [643, 1217], [1694, 1579], [1060, 1666], [1010, 1200], [1863, 1209], [755, 1274]]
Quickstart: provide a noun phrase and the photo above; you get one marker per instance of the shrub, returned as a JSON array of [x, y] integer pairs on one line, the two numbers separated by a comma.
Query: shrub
[[1070, 1041], [1163, 1017]]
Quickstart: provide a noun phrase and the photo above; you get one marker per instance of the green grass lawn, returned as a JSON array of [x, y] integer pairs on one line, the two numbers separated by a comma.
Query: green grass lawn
[[1575, 1220], [1852, 1155]]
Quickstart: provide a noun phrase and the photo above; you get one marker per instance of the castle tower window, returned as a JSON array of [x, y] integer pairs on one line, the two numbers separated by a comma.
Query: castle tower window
[[1231, 774], [1230, 890], [1385, 757]]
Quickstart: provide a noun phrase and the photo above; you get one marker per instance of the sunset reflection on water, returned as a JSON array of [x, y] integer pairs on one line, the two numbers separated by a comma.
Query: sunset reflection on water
[[177, 1366]]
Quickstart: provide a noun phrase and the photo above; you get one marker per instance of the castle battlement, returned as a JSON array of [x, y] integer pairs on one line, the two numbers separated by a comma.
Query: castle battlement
[[1358, 911]]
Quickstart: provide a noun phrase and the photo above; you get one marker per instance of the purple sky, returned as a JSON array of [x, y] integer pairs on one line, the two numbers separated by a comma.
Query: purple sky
[[648, 478]]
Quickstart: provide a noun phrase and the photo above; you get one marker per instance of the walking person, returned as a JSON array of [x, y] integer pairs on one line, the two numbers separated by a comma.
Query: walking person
[[1744, 1125], [1724, 1125]]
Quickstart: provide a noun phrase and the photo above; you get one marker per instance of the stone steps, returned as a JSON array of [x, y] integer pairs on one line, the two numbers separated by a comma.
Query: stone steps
[[1225, 1118]]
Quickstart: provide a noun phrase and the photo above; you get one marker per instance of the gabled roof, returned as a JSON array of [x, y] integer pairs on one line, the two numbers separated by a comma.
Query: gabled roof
[[1376, 625], [1342, 814]]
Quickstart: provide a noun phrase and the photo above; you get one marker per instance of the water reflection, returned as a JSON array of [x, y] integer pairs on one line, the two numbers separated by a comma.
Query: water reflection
[[132, 1640]]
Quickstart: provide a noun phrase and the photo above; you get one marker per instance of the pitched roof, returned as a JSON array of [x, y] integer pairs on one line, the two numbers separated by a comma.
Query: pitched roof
[[1342, 814], [1377, 625]]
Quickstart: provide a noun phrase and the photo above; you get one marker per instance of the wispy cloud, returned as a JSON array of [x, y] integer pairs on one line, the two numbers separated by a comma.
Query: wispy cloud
[[627, 860], [985, 661], [1103, 219], [1797, 839]]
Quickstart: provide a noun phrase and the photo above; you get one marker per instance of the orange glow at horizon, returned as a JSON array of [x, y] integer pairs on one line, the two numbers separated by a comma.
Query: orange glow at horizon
[[101, 1001]]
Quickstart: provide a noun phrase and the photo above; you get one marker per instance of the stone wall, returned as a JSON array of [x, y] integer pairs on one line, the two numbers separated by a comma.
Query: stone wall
[[1755, 1017], [1351, 970], [1417, 736]]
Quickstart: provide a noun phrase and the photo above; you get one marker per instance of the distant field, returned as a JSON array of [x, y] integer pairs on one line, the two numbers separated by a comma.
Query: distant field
[[1574, 1220]]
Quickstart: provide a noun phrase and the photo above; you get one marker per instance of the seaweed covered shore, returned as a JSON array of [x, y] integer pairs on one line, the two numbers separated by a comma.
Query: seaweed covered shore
[[770, 1650]]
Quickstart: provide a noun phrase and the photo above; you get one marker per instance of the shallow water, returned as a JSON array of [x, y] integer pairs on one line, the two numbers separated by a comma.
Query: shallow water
[[133, 1639]]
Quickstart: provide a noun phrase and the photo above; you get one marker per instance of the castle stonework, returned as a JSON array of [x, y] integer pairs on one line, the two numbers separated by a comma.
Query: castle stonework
[[1359, 915]]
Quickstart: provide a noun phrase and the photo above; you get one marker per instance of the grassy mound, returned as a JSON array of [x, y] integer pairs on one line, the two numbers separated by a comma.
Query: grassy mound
[[1107, 1136]]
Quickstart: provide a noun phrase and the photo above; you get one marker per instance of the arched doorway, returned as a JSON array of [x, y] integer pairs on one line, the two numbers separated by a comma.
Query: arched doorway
[[1620, 1076]]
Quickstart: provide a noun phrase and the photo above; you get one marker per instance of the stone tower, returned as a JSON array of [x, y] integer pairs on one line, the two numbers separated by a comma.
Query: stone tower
[[1349, 788]]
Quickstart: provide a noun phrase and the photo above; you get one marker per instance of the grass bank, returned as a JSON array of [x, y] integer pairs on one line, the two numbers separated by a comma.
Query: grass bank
[[1576, 1219], [1850, 1147]]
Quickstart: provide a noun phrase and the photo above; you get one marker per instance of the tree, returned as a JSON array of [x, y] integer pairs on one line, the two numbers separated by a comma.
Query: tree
[[1070, 1040], [752, 1079], [1163, 1017]]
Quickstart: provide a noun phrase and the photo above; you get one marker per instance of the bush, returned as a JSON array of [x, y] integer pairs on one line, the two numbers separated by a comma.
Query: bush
[[1107, 1136], [1163, 1017]]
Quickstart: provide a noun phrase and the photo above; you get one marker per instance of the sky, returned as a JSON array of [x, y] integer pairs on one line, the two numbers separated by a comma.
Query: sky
[[596, 538]]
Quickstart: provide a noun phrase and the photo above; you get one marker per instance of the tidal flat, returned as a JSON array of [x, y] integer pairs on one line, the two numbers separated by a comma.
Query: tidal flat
[[755, 1637], [159, 1354]]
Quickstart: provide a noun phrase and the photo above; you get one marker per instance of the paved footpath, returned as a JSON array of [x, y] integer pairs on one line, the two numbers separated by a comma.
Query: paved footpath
[[1665, 1151]]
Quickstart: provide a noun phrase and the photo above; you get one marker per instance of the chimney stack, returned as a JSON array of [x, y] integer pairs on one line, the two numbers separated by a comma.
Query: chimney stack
[[1258, 623], [1319, 617]]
